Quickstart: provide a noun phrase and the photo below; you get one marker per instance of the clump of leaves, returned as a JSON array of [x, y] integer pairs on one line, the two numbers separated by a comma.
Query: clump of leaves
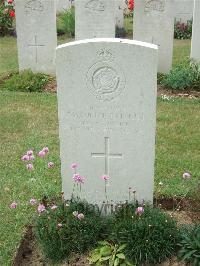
[[190, 244], [61, 232], [110, 254], [184, 76], [66, 22], [151, 235], [25, 81]]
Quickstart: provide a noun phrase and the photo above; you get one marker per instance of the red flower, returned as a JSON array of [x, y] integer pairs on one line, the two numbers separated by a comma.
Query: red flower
[[131, 5], [12, 13], [10, 1]]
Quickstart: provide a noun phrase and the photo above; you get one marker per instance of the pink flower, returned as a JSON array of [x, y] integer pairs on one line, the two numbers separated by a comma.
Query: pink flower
[[54, 207], [41, 154], [80, 216], [31, 158], [33, 201], [74, 165], [45, 149], [139, 211], [29, 152], [41, 208], [186, 175], [79, 179], [25, 157], [13, 205], [105, 177], [75, 213], [29, 167], [59, 225], [51, 165]]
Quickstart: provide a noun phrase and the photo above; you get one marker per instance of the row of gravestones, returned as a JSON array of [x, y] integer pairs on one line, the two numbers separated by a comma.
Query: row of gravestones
[[36, 28], [183, 9], [153, 23], [106, 95]]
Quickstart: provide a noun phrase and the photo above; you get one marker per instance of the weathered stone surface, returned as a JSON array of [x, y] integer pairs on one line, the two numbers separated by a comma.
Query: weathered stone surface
[[36, 35], [184, 10], [154, 23], [63, 5], [94, 19], [119, 15], [195, 48], [107, 113]]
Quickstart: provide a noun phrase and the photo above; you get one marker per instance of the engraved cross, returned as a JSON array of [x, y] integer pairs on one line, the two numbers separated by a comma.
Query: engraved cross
[[36, 45], [107, 155]]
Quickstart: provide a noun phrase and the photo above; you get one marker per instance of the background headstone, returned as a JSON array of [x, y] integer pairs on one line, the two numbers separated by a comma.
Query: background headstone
[[195, 47], [62, 5], [183, 10], [119, 15], [94, 19], [36, 35], [154, 23], [107, 114]]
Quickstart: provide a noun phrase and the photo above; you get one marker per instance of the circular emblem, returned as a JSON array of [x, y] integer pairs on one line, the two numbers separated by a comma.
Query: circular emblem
[[105, 80]]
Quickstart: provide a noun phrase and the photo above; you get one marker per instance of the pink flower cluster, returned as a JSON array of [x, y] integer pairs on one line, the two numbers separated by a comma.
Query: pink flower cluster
[[13, 205], [41, 208], [139, 211], [186, 175], [105, 177], [80, 216], [78, 178], [28, 156], [74, 166], [43, 152]]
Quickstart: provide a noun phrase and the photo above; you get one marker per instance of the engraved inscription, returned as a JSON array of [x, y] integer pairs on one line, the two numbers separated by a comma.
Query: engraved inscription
[[154, 5], [107, 155], [105, 80], [105, 54], [34, 6], [95, 5], [108, 119], [36, 45]]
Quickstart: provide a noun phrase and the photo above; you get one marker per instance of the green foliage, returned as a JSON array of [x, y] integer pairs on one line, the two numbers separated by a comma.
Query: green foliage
[[150, 237], [183, 30], [25, 81], [190, 244], [160, 77], [184, 76], [110, 254], [75, 235], [120, 32], [66, 22], [6, 18]]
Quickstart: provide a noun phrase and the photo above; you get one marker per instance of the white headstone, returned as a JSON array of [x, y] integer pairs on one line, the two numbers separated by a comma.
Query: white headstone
[[195, 48], [154, 23], [107, 116], [94, 19], [119, 16], [36, 35], [63, 5], [184, 10]]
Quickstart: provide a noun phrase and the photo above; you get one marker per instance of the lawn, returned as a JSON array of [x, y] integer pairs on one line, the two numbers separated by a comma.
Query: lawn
[[29, 120], [8, 53], [9, 61]]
